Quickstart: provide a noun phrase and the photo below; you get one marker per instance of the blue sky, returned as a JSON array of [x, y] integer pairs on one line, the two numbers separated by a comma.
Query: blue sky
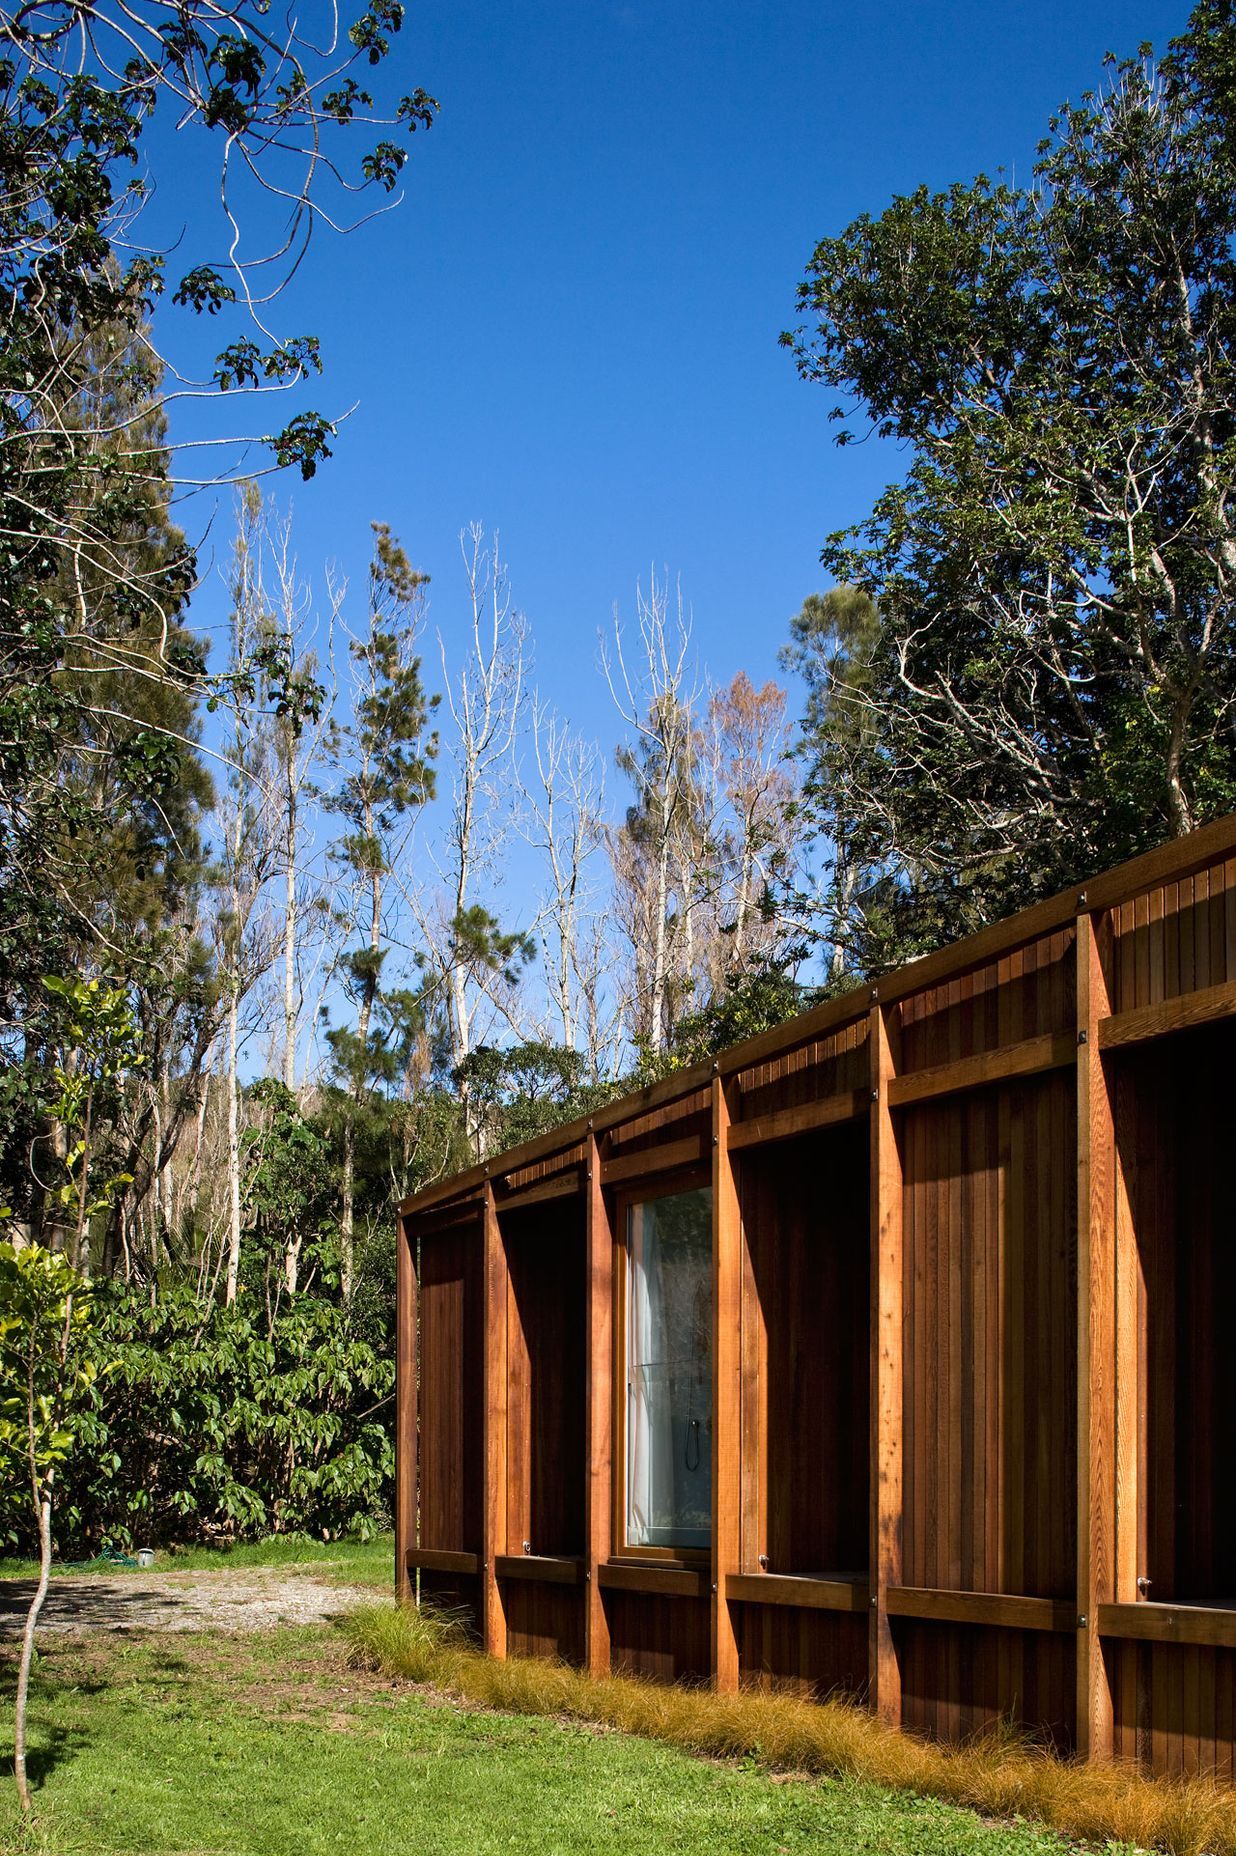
[[568, 329]]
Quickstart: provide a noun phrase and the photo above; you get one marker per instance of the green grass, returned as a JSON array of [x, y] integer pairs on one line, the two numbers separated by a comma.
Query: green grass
[[272, 1746], [999, 1773], [352, 1562]]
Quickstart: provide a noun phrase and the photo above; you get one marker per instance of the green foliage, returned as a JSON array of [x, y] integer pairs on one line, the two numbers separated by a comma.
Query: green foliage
[[1051, 685], [520, 1092], [751, 1003], [208, 1422], [45, 1316]]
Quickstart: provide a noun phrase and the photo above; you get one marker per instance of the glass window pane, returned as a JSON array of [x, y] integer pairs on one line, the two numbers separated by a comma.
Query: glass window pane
[[669, 1371]]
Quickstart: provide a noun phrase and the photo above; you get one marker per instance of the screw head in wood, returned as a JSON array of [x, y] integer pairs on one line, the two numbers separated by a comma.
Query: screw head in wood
[[1083, 1037], [1081, 899]]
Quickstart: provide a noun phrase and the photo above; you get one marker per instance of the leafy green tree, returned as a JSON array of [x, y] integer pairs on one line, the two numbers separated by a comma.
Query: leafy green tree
[[1052, 683], [44, 1312], [96, 674], [522, 1091], [832, 643]]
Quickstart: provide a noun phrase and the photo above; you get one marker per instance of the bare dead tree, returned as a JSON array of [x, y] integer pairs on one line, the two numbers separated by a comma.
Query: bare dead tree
[[472, 956], [565, 826], [658, 852]]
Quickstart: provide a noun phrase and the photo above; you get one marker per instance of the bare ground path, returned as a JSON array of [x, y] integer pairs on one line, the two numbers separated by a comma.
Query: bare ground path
[[253, 1599]]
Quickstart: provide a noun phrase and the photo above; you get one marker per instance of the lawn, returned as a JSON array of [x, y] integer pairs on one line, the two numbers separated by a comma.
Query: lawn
[[270, 1745], [354, 1562]]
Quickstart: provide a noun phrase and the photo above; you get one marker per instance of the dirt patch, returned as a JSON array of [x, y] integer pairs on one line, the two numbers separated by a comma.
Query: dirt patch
[[226, 1602]]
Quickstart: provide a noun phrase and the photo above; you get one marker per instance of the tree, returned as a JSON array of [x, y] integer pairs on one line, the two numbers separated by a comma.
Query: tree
[[832, 643], [96, 675], [757, 827], [663, 843], [79, 88], [474, 959], [248, 844], [44, 1308], [390, 778], [1053, 679], [566, 826]]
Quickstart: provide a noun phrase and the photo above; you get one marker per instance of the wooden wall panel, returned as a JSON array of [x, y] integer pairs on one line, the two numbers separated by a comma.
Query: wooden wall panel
[[825, 1066], [665, 1639], [451, 1389], [805, 1224], [990, 1336], [945, 1117], [1177, 938], [958, 1680], [808, 1653], [1175, 1707], [673, 1122], [545, 1249], [1174, 1129], [1027, 992], [543, 1620]]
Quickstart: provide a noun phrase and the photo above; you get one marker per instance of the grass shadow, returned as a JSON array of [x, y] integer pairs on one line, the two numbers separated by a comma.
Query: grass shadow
[[52, 1747]]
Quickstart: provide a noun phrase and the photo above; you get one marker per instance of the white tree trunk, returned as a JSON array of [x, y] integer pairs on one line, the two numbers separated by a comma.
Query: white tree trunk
[[233, 1149]]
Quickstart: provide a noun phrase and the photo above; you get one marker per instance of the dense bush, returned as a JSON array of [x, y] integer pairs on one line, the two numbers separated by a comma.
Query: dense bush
[[207, 1422]]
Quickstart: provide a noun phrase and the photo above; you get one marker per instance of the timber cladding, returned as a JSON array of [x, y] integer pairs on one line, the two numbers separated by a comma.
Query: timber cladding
[[890, 1354]]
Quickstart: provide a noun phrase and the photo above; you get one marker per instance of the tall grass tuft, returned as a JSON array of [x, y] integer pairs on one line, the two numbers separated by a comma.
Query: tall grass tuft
[[1000, 1774]]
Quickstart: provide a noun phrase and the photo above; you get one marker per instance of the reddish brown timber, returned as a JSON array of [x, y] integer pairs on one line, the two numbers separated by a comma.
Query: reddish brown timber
[[660, 1159], [598, 1413], [803, 1118], [561, 1186], [1156, 1021], [649, 1576], [430, 1559], [726, 1388], [807, 1594], [1054, 1050], [1155, 1623], [548, 1569], [1004, 1609], [496, 1382], [405, 1405]]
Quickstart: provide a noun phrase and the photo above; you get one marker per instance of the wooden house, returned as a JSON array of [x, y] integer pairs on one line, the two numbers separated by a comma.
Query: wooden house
[[893, 1353]]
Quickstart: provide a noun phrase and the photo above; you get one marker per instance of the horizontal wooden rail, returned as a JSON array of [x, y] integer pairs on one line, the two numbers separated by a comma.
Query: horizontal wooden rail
[[808, 1594], [446, 1217], [1210, 1626], [687, 1152], [668, 1581], [1154, 1021], [1007, 1609], [545, 1568], [433, 1559], [561, 1186], [783, 1124], [1054, 1050]]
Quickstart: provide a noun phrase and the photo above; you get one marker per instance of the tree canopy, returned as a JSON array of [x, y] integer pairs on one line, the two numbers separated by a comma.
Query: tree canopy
[[1050, 685]]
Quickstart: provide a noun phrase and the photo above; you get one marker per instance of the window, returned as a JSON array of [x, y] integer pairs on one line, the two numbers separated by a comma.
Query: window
[[669, 1371]]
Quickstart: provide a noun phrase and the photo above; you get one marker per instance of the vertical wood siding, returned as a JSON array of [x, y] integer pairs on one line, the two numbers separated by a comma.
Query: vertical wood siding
[[1029, 1410], [451, 1345]]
